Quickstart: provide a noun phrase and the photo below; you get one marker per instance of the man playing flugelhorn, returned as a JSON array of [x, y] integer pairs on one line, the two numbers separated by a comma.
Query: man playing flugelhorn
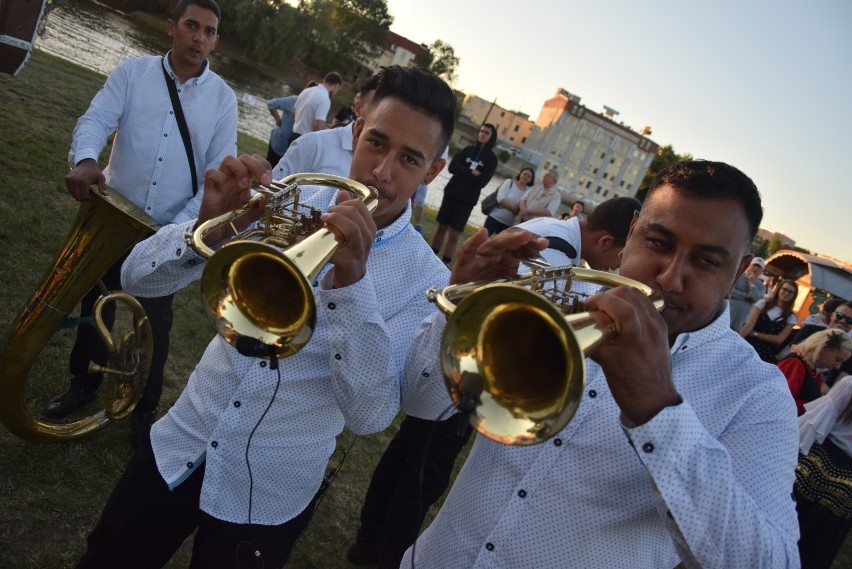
[[684, 444]]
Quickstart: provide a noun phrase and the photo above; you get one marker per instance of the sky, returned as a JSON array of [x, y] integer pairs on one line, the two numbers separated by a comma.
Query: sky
[[764, 86]]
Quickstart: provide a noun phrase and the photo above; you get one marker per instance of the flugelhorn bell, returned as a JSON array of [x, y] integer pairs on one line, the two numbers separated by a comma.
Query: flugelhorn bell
[[513, 351], [257, 287]]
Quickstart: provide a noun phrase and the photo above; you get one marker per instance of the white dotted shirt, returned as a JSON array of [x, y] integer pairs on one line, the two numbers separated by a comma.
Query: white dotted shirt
[[707, 483], [148, 163], [348, 374], [328, 151]]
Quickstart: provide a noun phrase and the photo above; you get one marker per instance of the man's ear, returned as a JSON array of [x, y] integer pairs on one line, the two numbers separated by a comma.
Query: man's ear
[[170, 27], [605, 242], [434, 170], [356, 132]]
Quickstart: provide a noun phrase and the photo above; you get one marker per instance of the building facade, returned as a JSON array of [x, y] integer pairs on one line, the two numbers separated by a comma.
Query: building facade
[[596, 157], [513, 128]]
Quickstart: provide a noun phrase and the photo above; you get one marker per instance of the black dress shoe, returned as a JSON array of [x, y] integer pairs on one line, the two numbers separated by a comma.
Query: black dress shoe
[[72, 400], [140, 428]]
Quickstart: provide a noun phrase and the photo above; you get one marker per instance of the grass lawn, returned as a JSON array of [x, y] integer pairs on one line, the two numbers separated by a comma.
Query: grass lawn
[[51, 495]]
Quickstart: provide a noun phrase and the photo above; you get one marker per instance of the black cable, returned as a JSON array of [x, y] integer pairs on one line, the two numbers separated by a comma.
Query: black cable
[[463, 417], [273, 365]]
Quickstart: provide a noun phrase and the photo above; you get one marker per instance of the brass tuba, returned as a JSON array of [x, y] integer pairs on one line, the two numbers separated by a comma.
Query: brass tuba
[[257, 287], [514, 357], [105, 228]]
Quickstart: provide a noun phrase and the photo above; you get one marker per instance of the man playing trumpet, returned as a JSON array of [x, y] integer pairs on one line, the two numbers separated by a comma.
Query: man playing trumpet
[[243, 451], [684, 444]]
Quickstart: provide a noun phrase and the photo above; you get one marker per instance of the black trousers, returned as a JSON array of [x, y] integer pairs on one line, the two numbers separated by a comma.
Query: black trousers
[[395, 506], [271, 156], [144, 523], [88, 346], [493, 226]]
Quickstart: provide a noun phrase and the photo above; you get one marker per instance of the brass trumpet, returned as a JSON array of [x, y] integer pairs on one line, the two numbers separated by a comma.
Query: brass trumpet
[[257, 287], [514, 357]]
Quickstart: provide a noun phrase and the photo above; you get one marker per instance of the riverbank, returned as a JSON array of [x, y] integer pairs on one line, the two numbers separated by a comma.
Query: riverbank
[[52, 495]]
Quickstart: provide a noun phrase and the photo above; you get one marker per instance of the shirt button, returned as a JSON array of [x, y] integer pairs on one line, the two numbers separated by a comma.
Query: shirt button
[[337, 356], [425, 374], [189, 465], [153, 263], [557, 442], [177, 252], [263, 364], [316, 284], [237, 403], [593, 393], [165, 134], [191, 262], [378, 239], [148, 208], [171, 112], [669, 514], [153, 183], [522, 493], [648, 447], [214, 444], [489, 546], [159, 159], [331, 306]]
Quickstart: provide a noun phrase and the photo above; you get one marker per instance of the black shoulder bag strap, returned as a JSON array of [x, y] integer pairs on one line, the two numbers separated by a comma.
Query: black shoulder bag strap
[[184, 131]]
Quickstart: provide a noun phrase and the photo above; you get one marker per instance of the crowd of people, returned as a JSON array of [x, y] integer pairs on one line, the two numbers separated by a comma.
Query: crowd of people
[[684, 446]]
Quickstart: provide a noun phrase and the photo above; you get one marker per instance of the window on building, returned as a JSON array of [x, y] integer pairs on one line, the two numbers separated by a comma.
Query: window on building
[[621, 183], [605, 192], [598, 190], [523, 140], [612, 160], [502, 114], [517, 127], [589, 184], [605, 176], [595, 171], [603, 155]]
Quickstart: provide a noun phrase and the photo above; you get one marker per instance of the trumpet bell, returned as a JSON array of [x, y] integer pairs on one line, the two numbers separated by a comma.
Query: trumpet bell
[[253, 290], [514, 354]]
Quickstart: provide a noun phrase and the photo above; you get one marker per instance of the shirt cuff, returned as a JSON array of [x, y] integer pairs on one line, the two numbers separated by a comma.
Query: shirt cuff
[[83, 154]]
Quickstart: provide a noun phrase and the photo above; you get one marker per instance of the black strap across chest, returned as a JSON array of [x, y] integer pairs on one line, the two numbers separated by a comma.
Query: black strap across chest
[[184, 130]]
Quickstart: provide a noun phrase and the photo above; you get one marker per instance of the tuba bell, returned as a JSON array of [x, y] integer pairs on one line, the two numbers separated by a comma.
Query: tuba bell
[[257, 286], [105, 228], [513, 350]]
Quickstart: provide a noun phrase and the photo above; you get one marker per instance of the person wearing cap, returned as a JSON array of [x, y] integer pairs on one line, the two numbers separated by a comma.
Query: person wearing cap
[[747, 290]]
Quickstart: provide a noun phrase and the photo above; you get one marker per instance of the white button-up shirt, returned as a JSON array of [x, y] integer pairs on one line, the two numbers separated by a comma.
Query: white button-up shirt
[[327, 151], [148, 163], [313, 104], [348, 374], [707, 483]]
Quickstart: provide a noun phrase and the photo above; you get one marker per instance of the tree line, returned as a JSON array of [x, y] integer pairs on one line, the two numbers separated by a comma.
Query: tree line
[[321, 34]]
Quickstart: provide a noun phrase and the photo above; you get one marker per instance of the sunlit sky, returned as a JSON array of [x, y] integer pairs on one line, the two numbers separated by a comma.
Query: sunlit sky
[[765, 86]]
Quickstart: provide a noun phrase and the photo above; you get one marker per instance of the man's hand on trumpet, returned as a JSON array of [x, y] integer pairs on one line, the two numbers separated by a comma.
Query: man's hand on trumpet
[[637, 361], [484, 259], [229, 187], [354, 228]]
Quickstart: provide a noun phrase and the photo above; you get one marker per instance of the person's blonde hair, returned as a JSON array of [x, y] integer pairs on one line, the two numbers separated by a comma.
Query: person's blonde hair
[[810, 348]]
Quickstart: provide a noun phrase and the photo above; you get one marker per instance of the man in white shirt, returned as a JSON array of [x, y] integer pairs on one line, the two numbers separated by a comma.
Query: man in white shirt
[[327, 151], [683, 447], [149, 166], [243, 452], [406, 482], [311, 110]]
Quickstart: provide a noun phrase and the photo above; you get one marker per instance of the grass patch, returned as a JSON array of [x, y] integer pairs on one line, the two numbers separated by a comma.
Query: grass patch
[[52, 495]]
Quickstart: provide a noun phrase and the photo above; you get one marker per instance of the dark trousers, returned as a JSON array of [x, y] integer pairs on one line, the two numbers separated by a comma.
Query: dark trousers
[[88, 346], [395, 506], [272, 157], [493, 226], [144, 523]]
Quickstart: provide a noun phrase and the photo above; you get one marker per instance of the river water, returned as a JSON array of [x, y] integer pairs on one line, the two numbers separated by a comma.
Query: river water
[[98, 37]]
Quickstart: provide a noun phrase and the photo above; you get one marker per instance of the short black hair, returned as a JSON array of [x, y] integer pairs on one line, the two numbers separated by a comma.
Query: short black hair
[[614, 216], [369, 85], [182, 5], [831, 305], [333, 78], [714, 181], [424, 91]]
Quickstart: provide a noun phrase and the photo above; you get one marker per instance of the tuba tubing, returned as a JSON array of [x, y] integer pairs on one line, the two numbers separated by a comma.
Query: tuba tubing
[[512, 359], [105, 228]]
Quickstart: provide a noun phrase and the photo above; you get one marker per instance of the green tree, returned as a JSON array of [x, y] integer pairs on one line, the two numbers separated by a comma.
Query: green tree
[[664, 158], [441, 60], [340, 34]]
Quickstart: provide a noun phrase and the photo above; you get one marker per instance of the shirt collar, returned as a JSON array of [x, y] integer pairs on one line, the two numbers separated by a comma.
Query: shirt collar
[[205, 72], [346, 139], [719, 326]]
